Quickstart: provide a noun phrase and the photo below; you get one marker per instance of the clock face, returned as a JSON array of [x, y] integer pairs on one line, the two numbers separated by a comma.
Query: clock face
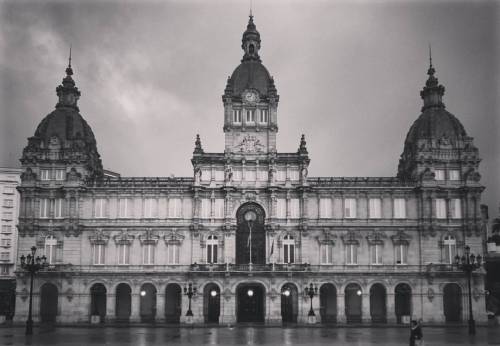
[[250, 96]]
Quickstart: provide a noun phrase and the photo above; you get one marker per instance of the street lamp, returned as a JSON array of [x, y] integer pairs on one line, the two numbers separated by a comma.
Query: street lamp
[[189, 291], [32, 265], [469, 263], [250, 217], [311, 291]]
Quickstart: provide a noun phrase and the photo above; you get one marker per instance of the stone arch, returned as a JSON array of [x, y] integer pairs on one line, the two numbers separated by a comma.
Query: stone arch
[[147, 300], [328, 302], [173, 302], [452, 302], [98, 298], [211, 302], [378, 302], [250, 301], [402, 301], [289, 302], [123, 301], [49, 302], [250, 234], [353, 302]]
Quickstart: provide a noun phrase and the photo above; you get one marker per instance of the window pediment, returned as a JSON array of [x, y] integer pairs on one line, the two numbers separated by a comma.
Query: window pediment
[[326, 237], [376, 237], [149, 237], [173, 237], [351, 237], [123, 238], [99, 237], [401, 238]]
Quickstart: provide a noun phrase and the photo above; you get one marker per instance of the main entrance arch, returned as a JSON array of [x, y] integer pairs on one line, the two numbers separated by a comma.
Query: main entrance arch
[[250, 234], [250, 306], [48, 302]]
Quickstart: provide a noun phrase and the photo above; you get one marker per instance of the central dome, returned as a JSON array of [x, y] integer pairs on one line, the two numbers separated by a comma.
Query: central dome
[[251, 74]]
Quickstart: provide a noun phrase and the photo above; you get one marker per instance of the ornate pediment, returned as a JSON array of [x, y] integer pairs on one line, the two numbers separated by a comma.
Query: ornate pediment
[[173, 237], [376, 237], [99, 237], [351, 237], [149, 237], [401, 238], [123, 237], [326, 237]]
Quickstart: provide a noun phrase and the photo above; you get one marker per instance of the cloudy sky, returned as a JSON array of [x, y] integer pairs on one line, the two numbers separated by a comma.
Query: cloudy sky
[[349, 75]]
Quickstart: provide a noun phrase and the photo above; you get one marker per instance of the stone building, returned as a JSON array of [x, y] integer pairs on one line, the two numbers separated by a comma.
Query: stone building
[[250, 229]]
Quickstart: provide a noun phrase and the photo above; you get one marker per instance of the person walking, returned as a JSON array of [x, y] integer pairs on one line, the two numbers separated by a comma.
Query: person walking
[[413, 332], [419, 336]]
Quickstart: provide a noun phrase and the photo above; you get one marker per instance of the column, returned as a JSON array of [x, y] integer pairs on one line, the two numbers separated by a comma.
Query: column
[[365, 306], [341, 307], [160, 306], [390, 308], [110, 306], [135, 307], [228, 308]]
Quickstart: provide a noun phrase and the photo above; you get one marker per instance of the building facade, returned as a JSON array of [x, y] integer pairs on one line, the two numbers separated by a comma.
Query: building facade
[[250, 229]]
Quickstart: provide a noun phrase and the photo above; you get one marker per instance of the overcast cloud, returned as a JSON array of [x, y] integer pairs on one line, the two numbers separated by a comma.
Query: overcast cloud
[[349, 75]]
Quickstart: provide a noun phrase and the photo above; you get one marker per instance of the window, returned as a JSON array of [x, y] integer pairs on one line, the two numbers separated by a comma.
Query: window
[[219, 208], [456, 208], [205, 208], [4, 270], [44, 207], [294, 175], [281, 208], [326, 253], [439, 174], [264, 116], [294, 208], [4, 256], [148, 254], [149, 207], [450, 249], [401, 254], [100, 207], [98, 252], [237, 175], [6, 242], [454, 174], [44, 174], [250, 175], [123, 254], [219, 175], [281, 175], [58, 203], [59, 174], [8, 203], [376, 253], [8, 190], [124, 207], [237, 116], [174, 208], [212, 249], [288, 249], [206, 175], [325, 208], [352, 254], [6, 228], [250, 115], [173, 254], [399, 208], [375, 208], [350, 208], [50, 249], [7, 216], [440, 208], [263, 175]]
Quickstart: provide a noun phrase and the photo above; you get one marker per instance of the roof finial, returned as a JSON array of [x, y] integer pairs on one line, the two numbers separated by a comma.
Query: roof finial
[[69, 70], [69, 56], [251, 14], [430, 55]]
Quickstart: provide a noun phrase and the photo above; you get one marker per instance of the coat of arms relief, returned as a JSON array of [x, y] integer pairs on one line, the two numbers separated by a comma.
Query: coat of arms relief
[[250, 144]]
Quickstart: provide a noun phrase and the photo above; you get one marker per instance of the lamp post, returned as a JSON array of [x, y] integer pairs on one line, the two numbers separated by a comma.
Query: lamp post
[[311, 291], [32, 265], [250, 217], [189, 291], [469, 263]]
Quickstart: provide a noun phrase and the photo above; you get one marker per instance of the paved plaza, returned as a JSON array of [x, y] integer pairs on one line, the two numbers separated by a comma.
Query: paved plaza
[[222, 336]]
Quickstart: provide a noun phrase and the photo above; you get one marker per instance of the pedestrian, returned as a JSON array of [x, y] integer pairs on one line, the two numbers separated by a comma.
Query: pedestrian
[[419, 336], [413, 332]]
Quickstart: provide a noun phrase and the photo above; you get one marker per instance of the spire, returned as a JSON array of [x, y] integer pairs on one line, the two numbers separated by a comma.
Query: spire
[[433, 92], [197, 145], [250, 43], [302, 147], [67, 92]]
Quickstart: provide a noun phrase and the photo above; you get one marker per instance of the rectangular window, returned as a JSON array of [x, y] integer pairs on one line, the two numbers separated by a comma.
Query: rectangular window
[[439, 174], [98, 252], [281, 175], [123, 254], [8, 190], [326, 254], [8, 203], [7, 216], [250, 175], [263, 175], [149, 207], [237, 175], [4, 256], [205, 208], [289, 253], [440, 208], [6, 228], [401, 254], [174, 208], [4, 270], [44, 174], [454, 174], [376, 253], [123, 208], [264, 115], [294, 175], [173, 254], [281, 208], [44, 208], [58, 208], [50, 249], [237, 116], [250, 115], [6, 242], [100, 207], [350, 208], [325, 208], [148, 254], [456, 208], [294, 208], [206, 174], [219, 208], [60, 174], [399, 208], [219, 175], [212, 253], [351, 254], [375, 208]]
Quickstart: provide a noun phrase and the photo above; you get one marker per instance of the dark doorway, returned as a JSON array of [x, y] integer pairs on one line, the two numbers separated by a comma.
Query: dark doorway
[[7, 298], [251, 303], [353, 310], [402, 300], [173, 303], [378, 303], [452, 303], [211, 303], [148, 303], [250, 216], [48, 303], [123, 302], [328, 303], [289, 303], [98, 301]]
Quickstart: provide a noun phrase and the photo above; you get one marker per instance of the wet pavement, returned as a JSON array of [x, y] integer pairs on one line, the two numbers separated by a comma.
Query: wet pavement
[[139, 336]]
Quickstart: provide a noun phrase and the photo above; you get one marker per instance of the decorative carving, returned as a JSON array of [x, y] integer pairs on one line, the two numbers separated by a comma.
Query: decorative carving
[[149, 237], [99, 237], [326, 237], [476, 294], [401, 238], [250, 144], [69, 294], [350, 237], [430, 294], [73, 175], [28, 175], [173, 237], [124, 237], [376, 237]]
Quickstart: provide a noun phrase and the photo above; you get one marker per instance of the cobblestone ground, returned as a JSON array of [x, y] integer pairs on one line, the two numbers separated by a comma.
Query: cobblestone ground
[[138, 336]]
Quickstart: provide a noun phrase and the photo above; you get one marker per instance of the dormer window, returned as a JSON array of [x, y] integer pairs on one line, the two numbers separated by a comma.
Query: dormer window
[[237, 116]]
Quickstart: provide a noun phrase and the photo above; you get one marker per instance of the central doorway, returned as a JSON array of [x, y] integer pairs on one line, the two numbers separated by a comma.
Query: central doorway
[[250, 234], [250, 303]]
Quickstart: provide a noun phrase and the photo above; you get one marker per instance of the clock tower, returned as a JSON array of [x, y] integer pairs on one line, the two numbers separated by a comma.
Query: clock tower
[[250, 102]]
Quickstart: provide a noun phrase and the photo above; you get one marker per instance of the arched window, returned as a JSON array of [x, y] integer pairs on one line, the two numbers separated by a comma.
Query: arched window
[[450, 249], [288, 249], [212, 244], [50, 249]]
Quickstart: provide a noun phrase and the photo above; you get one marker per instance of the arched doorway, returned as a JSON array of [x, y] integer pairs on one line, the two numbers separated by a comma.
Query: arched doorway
[[48, 302], [289, 303], [378, 303], [328, 303], [148, 302], [452, 302], [353, 303], [250, 234], [211, 303], [402, 301], [98, 301], [123, 302], [173, 303], [250, 305]]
